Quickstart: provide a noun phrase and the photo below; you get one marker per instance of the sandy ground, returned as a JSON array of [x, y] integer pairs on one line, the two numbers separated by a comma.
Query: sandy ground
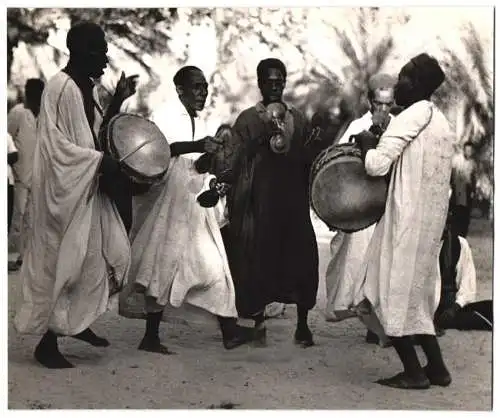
[[338, 373]]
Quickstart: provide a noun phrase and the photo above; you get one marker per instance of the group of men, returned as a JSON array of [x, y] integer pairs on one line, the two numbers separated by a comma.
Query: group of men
[[255, 244]]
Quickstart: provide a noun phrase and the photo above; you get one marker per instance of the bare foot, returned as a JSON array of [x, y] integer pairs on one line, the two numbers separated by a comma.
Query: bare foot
[[51, 357], [241, 336], [89, 337], [403, 381], [153, 345], [442, 378], [303, 337], [260, 336]]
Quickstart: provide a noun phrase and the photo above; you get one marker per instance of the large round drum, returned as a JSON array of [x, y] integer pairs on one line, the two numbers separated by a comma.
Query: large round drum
[[140, 145], [342, 195]]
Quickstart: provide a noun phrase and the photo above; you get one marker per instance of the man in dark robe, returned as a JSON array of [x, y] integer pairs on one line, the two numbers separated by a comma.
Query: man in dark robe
[[271, 243]]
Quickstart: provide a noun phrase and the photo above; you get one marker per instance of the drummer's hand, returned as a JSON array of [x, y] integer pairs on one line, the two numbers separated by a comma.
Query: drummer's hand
[[212, 144], [380, 118], [109, 165], [366, 140], [222, 188], [126, 87]]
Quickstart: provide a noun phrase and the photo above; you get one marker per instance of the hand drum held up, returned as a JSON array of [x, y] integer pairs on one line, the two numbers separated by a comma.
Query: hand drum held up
[[342, 195], [140, 146]]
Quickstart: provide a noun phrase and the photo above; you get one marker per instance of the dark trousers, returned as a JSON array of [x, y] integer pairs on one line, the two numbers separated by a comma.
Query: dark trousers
[[10, 205], [461, 220]]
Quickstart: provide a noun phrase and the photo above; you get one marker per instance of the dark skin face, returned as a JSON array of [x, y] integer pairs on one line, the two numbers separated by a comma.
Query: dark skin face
[[272, 86], [93, 61], [404, 92], [194, 93]]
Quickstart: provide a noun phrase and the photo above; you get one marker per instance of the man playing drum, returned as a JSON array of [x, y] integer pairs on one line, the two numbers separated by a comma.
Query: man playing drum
[[401, 268], [272, 246], [348, 250], [178, 256], [78, 253]]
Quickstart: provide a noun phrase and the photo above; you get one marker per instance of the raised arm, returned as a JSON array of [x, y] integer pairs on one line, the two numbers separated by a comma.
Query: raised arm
[[235, 147], [125, 88], [403, 129]]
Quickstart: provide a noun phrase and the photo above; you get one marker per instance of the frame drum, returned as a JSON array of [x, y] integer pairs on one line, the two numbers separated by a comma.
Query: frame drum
[[140, 146]]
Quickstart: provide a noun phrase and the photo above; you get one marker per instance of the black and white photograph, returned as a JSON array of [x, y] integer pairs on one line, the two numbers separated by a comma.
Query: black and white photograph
[[249, 207]]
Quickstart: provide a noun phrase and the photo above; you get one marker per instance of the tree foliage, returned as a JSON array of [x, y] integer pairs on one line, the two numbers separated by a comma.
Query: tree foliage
[[330, 70]]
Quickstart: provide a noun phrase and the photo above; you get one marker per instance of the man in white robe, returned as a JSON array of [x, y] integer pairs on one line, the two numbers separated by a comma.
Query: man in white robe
[[21, 124], [78, 253], [400, 268], [348, 250], [179, 261]]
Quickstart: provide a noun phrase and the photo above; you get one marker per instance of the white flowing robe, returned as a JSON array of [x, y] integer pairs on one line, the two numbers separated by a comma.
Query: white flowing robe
[[77, 239], [178, 256], [21, 124], [400, 267], [343, 279]]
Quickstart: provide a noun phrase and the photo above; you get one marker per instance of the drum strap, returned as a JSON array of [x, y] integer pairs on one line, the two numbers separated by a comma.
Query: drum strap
[[192, 126], [89, 102], [59, 101]]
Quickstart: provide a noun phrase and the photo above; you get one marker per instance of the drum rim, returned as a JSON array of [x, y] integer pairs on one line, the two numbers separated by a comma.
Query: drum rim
[[319, 164], [138, 177]]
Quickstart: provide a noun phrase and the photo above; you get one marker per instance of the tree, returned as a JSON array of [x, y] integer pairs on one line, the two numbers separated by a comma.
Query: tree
[[27, 25], [366, 44], [468, 92]]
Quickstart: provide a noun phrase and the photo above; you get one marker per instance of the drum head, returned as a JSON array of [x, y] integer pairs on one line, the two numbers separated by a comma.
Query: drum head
[[345, 197], [141, 145]]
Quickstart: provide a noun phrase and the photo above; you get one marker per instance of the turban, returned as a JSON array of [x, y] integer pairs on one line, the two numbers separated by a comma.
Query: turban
[[427, 72]]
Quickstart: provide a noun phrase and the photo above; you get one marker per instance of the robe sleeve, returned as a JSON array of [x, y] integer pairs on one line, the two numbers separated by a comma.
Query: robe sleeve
[[352, 129], [402, 130], [466, 275], [176, 127], [236, 142]]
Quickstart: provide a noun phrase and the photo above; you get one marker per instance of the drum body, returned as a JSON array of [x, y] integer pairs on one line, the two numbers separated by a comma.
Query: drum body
[[141, 147], [342, 195]]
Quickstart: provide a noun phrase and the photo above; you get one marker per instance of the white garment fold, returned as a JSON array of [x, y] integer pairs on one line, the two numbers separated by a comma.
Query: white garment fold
[[77, 237], [178, 256]]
